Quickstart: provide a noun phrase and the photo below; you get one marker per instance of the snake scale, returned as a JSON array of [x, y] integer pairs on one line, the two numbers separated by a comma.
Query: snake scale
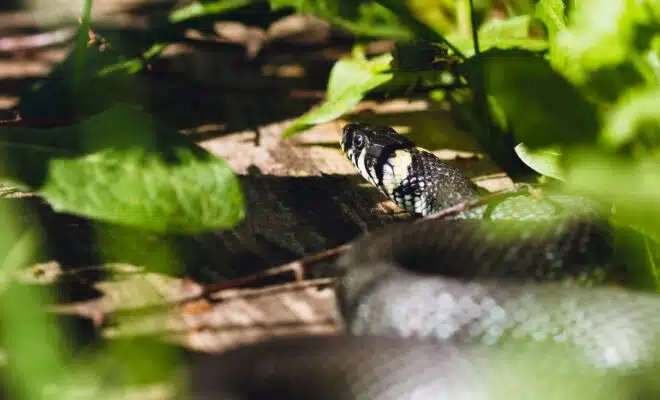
[[511, 300]]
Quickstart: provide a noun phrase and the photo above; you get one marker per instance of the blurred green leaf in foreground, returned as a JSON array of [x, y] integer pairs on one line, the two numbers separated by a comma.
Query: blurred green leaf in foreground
[[124, 167]]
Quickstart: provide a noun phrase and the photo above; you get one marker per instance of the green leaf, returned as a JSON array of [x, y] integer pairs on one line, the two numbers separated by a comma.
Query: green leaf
[[627, 120], [362, 17], [512, 33], [540, 105], [350, 80], [436, 14], [124, 167], [514, 27], [553, 15], [545, 161], [602, 34], [27, 332], [202, 8], [632, 186]]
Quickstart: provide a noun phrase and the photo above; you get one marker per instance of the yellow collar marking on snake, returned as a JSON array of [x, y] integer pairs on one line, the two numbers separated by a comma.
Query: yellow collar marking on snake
[[395, 171]]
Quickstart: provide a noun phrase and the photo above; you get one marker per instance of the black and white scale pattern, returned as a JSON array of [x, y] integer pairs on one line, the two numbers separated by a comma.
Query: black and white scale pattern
[[414, 192], [413, 178]]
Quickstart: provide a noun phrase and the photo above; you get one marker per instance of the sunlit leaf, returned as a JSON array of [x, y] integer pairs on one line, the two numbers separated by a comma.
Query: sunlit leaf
[[350, 79], [433, 13], [634, 111], [512, 33], [546, 161], [553, 15], [602, 34]]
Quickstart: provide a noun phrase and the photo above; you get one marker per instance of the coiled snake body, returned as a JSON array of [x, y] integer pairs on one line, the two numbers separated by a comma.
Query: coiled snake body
[[496, 302]]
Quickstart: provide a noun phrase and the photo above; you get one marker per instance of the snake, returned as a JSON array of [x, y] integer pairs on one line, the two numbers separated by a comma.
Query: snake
[[512, 299]]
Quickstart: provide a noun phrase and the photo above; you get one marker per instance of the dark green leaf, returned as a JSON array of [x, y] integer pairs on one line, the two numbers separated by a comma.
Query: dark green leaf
[[635, 247], [108, 76], [541, 106], [123, 167]]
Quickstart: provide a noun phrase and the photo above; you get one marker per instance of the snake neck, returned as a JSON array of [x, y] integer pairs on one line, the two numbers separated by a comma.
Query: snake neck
[[412, 177], [420, 183]]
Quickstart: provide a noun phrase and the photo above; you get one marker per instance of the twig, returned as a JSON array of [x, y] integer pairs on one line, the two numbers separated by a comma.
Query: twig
[[480, 201], [210, 292], [285, 287], [298, 268]]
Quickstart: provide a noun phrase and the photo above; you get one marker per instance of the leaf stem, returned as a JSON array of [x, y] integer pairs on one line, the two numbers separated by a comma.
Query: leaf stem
[[473, 26], [481, 97]]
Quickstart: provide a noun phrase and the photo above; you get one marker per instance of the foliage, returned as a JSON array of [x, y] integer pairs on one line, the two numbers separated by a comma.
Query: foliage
[[368, 18], [88, 81], [561, 115], [122, 166], [580, 100], [350, 79], [570, 87]]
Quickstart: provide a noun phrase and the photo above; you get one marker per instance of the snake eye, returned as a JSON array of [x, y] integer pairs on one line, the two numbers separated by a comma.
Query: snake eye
[[358, 141]]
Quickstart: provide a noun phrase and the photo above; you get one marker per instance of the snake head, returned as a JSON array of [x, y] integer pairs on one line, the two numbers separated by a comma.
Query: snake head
[[412, 177], [370, 147]]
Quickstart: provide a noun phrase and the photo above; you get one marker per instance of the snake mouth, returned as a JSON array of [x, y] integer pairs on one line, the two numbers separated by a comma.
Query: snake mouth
[[346, 140]]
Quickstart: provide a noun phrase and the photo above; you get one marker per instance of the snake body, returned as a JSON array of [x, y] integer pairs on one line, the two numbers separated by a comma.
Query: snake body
[[496, 302]]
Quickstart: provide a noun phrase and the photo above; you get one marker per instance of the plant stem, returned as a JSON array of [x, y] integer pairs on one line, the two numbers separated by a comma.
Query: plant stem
[[473, 27], [481, 97], [81, 41]]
